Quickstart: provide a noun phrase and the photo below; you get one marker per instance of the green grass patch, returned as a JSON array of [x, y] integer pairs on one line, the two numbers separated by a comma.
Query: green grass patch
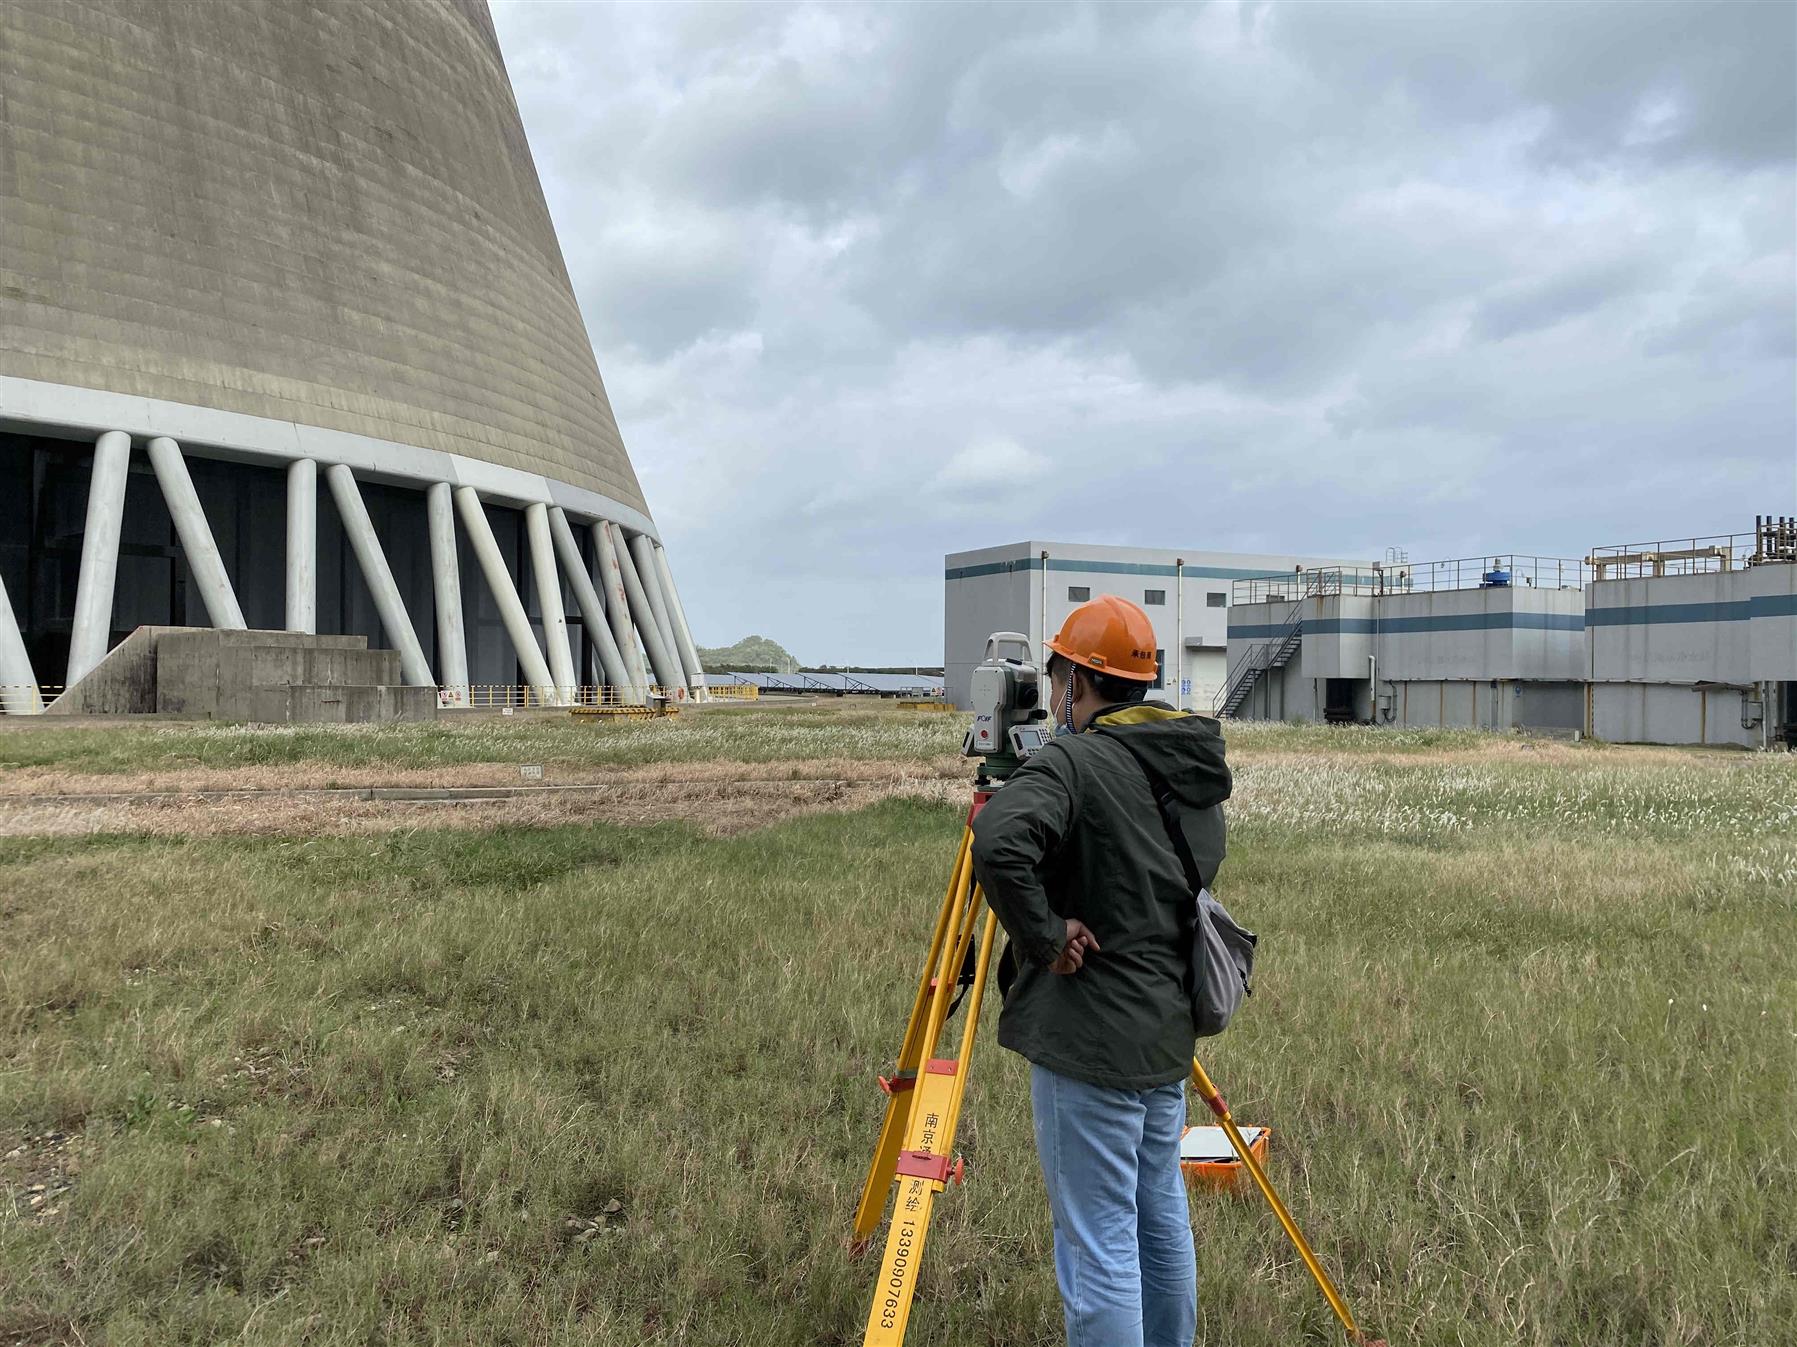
[[749, 734], [1530, 1074]]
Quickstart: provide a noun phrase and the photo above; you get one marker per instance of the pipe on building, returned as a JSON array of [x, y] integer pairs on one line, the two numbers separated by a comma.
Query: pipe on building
[[302, 546], [617, 602], [203, 559], [592, 613], [91, 633], [446, 584], [550, 601], [667, 669], [19, 694], [642, 552], [395, 621], [505, 593], [683, 635], [1179, 632]]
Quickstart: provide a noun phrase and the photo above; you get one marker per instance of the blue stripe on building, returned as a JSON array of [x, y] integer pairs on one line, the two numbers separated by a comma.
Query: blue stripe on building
[[1740, 610], [1618, 615], [1126, 568], [1404, 626]]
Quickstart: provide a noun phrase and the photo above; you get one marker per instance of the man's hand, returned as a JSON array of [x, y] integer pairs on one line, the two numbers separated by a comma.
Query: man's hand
[[1073, 954]]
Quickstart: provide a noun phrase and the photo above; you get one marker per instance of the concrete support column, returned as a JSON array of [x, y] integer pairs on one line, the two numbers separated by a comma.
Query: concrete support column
[[203, 558], [592, 612], [642, 552], [617, 601], [92, 630], [683, 636], [549, 600], [19, 695], [395, 621], [667, 668], [505, 593], [446, 579], [302, 546]]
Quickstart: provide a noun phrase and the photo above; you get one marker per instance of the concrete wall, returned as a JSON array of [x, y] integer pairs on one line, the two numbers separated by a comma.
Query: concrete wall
[[1666, 713], [269, 677], [248, 675], [1484, 704], [1771, 595], [322, 214], [996, 588], [1501, 632], [122, 684], [1338, 635], [1720, 627], [1449, 634]]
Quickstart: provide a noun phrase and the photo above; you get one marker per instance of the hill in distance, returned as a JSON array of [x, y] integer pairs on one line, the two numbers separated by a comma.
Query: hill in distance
[[752, 654]]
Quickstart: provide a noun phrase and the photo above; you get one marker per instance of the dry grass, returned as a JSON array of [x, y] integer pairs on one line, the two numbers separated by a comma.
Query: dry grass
[[347, 1073]]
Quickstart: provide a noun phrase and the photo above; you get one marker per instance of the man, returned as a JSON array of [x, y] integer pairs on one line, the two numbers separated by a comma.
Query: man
[[1075, 858]]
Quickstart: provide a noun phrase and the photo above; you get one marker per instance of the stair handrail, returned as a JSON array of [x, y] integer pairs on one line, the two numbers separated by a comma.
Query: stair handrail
[[1315, 583]]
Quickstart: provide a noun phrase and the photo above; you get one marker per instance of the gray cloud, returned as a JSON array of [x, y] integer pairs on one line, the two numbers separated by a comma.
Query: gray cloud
[[873, 283]]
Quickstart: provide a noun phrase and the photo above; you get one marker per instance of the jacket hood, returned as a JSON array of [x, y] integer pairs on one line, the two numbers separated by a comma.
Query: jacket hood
[[1185, 750]]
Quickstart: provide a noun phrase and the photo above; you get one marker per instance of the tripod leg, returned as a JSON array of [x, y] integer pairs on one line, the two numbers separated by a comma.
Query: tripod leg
[[1213, 1097], [900, 1087], [924, 1166]]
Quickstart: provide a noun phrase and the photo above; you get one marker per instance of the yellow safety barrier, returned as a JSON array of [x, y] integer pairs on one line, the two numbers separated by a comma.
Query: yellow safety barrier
[[735, 692], [926, 706], [24, 699], [498, 696]]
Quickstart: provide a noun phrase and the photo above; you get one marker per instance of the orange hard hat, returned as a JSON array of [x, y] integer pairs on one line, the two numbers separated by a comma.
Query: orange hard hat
[[1110, 636]]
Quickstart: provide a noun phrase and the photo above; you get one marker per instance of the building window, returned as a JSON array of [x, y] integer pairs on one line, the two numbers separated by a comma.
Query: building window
[[1160, 669], [1154, 598], [1216, 600], [1078, 593]]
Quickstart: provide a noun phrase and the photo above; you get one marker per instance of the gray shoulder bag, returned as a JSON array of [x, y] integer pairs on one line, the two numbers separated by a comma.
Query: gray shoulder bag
[[1221, 965]]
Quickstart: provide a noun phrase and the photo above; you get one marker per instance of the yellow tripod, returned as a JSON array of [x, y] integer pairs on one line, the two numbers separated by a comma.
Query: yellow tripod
[[923, 1108]]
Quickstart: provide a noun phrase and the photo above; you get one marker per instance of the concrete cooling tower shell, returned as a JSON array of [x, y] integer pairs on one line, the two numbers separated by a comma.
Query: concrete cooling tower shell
[[304, 231], [323, 214]]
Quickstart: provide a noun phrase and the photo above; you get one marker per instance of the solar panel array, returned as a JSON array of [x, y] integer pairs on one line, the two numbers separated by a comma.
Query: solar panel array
[[837, 684]]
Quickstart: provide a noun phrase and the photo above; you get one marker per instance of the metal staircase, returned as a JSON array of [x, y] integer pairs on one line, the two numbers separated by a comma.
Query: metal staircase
[[1258, 658]]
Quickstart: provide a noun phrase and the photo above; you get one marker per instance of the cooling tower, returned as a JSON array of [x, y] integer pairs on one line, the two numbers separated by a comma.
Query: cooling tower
[[262, 252]]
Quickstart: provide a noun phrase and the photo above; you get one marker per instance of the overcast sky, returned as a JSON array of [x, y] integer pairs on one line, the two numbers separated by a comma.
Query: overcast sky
[[873, 284]]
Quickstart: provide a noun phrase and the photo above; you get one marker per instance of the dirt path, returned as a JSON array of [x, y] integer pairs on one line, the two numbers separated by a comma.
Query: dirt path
[[762, 794], [45, 782]]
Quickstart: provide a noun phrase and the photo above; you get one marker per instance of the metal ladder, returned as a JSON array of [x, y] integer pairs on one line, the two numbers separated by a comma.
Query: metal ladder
[[1278, 653]]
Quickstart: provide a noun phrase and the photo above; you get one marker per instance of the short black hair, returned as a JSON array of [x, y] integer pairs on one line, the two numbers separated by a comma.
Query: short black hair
[[1110, 688]]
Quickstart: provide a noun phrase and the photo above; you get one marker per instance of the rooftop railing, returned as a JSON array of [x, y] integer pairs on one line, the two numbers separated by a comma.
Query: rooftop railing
[[1774, 539], [1504, 570], [1673, 556], [1285, 586]]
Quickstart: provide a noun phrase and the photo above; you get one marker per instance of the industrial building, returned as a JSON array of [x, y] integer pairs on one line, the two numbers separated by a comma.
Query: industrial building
[[1695, 641], [260, 254], [1030, 587], [1689, 642]]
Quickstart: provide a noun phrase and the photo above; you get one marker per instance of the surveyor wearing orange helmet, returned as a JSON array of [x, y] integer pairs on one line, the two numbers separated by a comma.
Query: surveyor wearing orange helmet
[[1076, 855]]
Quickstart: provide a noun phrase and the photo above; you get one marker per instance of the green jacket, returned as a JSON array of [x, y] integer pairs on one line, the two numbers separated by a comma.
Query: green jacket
[[1075, 832]]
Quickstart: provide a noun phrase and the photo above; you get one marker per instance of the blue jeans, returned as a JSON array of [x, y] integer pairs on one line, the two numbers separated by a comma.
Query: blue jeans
[[1122, 1230]]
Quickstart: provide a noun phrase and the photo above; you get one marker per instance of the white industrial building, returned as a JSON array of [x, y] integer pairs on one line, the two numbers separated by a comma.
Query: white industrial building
[[1695, 641], [1030, 587], [1496, 643], [1688, 642]]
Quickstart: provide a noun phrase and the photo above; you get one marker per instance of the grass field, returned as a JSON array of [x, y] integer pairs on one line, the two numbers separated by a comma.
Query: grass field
[[1526, 1028]]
